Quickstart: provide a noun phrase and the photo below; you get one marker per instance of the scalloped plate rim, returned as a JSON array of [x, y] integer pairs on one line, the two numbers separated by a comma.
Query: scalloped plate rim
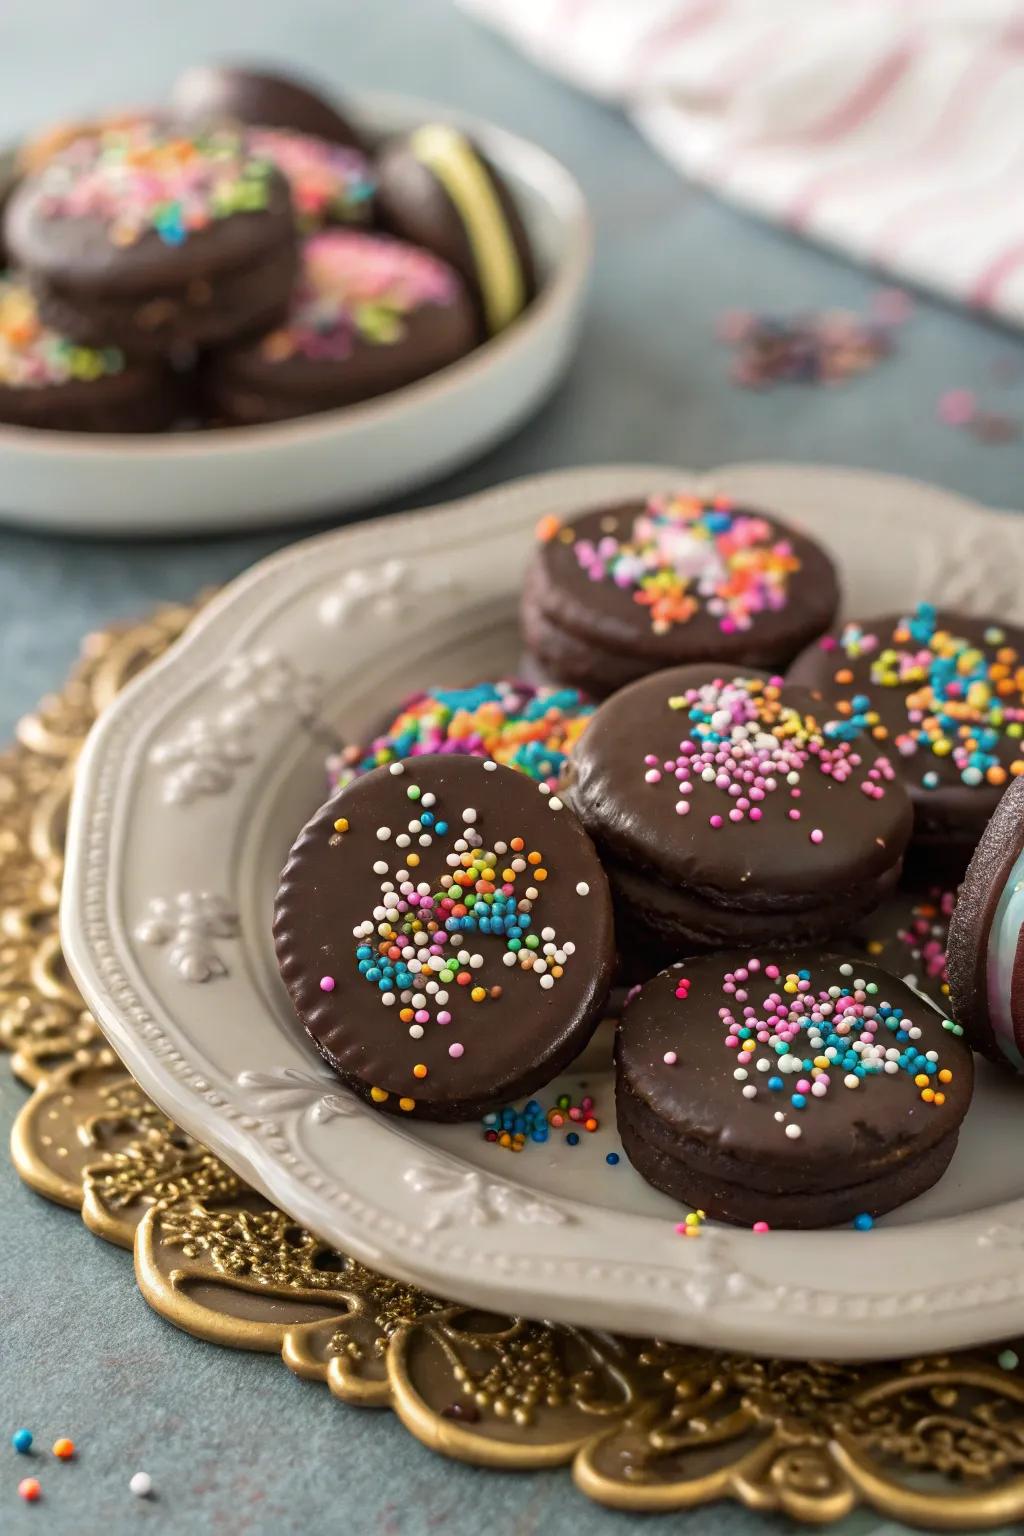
[[694, 1293]]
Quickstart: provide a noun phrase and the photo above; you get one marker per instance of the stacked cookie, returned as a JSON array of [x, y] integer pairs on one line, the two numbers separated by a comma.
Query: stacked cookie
[[245, 257]]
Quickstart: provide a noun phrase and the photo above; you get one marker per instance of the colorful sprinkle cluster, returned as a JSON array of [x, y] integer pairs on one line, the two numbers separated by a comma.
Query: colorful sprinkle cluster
[[32, 356], [962, 700], [143, 178], [330, 183], [744, 741], [684, 556], [924, 938], [512, 1128], [413, 948], [802, 1041], [357, 287], [817, 348], [532, 729]]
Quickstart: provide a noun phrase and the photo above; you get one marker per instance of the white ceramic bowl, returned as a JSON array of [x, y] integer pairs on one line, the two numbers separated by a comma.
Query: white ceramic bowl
[[195, 782], [247, 476]]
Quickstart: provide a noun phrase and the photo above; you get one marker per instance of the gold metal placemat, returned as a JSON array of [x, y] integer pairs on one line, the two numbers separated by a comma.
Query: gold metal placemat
[[643, 1425]]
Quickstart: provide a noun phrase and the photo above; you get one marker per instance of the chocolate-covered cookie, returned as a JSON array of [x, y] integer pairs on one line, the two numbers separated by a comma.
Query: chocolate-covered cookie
[[437, 189], [625, 590], [444, 929], [790, 1088], [50, 382], [532, 729], [725, 813], [212, 94], [152, 243], [986, 938], [908, 936], [330, 183], [944, 694], [369, 314]]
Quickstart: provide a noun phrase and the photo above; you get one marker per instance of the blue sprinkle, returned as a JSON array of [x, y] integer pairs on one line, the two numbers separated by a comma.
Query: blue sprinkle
[[22, 1441], [864, 1222], [612, 1159]]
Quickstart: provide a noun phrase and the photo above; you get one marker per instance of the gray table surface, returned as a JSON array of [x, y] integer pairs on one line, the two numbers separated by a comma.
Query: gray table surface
[[235, 1443]]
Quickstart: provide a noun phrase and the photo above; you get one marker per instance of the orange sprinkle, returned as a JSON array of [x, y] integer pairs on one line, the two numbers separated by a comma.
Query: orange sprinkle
[[547, 528], [419, 1070], [407, 1104]]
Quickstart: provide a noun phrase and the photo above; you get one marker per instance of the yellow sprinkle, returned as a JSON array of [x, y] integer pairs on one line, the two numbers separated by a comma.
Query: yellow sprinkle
[[407, 1104], [378, 1095], [341, 825], [412, 859]]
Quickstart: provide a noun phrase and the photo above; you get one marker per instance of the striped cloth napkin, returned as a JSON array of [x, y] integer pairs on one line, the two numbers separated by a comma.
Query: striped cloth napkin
[[892, 130]]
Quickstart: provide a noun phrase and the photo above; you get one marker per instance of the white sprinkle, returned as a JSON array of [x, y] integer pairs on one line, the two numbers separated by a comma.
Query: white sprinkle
[[569, 948], [846, 970], [750, 1092], [547, 981], [582, 888], [424, 839], [383, 833], [501, 847], [779, 1115], [554, 803], [489, 767], [545, 789], [531, 894], [763, 1064], [547, 933], [141, 1484], [540, 966], [403, 839], [416, 1031], [380, 868], [518, 865], [508, 958], [469, 816], [460, 845], [415, 826], [396, 769], [931, 1055], [418, 1000], [793, 1131], [428, 800], [387, 998], [740, 1074], [476, 961], [892, 1067], [851, 1080]]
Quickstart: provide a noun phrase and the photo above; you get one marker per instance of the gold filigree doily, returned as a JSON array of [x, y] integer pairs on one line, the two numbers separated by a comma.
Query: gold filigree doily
[[643, 1425]]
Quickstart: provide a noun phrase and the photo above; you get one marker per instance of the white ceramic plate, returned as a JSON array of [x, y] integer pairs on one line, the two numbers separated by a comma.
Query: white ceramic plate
[[189, 793], [338, 460]]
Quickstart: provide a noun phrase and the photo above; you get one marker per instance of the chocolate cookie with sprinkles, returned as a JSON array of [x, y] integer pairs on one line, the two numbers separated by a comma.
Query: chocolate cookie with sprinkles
[[622, 591], [511, 722], [725, 815], [49, 382], [368, 315], [444, 929], [147, 240], [788, 1088], [944, 694]]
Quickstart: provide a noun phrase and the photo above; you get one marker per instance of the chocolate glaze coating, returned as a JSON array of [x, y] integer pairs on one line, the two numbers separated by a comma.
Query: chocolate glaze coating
[[689, 1129], [749, 865], [1000, 847], [211, 93], [595, 634], [412, 204], [950, 818], [513, 1044], [142, 398], [151, 298]]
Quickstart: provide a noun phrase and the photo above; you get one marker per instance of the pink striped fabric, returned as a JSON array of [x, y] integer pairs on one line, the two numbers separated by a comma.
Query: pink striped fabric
[[890, 129]]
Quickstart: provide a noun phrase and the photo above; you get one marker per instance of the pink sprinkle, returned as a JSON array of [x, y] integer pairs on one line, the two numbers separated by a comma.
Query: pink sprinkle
[[794, 814], [422, 1016], [817, 836], [760, 1226], [670, 1058], [326, 983], [956, 407], [803, 1086], [682, 807], [653, 776], [716, 821], [444, 1017], [456, 1050]]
